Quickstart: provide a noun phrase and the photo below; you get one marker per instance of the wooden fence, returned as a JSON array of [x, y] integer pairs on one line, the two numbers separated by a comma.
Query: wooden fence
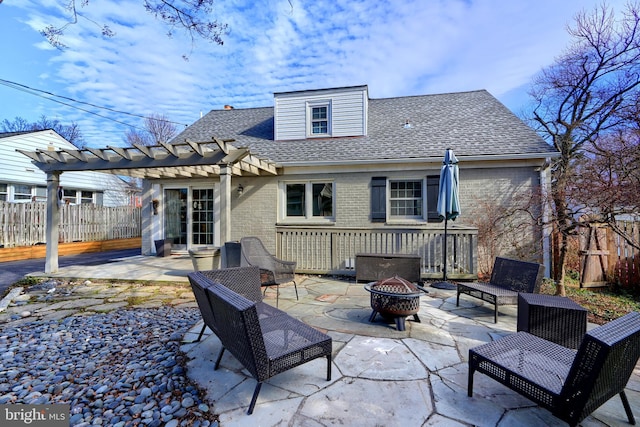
[[24, 224], [332, 250], [626, 268], [606, 258]]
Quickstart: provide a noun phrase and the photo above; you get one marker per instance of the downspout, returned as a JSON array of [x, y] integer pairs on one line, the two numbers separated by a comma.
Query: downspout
[[53, 222], [546, 226]]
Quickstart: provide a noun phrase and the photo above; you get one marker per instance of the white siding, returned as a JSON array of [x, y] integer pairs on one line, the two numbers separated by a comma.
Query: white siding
[[348, 107], [16, 168]]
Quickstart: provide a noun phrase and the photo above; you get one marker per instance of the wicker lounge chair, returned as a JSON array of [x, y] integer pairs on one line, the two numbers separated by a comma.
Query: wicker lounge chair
[[569, 383], [508, 278], [273, 271], [265, 343], [242, 280]]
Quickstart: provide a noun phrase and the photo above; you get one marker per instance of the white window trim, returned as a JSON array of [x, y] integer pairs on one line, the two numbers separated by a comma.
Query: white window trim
[[310, 106], [308, 217], [11, 193], [404, 219]]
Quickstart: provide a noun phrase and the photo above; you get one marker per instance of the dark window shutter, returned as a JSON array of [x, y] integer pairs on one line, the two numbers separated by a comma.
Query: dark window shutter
[[433, 186], [378, 199]]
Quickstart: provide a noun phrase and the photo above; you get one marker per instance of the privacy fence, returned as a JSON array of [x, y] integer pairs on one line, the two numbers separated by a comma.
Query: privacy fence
[[608, 259], [24, 224]]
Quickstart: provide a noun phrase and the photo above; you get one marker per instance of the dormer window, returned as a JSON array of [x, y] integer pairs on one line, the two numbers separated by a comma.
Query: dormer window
[[319, 114]]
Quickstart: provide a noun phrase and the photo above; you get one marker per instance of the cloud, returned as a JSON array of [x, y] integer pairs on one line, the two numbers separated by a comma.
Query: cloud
[[398, 48]]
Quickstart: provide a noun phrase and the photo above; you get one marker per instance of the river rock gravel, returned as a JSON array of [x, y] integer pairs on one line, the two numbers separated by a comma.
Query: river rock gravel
[[121, 368]]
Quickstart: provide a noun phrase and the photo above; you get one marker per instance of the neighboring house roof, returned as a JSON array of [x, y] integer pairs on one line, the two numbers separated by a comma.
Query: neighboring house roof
[[474, 124], [19, 169], [8, 134]]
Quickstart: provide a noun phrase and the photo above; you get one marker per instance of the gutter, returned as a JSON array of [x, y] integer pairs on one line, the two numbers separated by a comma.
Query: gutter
[[481, 158]]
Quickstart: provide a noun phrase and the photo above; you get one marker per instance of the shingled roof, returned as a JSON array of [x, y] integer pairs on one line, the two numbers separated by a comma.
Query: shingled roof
[[474, 124]]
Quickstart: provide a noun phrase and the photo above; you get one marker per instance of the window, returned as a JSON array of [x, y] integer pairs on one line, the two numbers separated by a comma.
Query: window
[[405, 199], [3, 192], [319, 119], [86, 197], [21, 192], [309, 200], [69, 196], [41, 194], [413, 199], [319, 123]]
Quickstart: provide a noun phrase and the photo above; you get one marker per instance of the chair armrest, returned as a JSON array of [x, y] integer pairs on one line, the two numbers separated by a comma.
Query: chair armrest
[[283, 262]]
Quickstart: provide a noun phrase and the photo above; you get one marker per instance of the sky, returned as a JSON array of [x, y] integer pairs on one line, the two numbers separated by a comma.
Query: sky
[[397, 48]]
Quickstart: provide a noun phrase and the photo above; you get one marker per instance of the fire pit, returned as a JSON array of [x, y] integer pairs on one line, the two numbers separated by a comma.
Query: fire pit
[[395, 298]]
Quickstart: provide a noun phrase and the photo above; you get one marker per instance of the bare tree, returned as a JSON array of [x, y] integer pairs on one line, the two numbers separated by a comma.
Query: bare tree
[[190, 16], [607, 182], [590, 91], [69, 132], [157, 128], [19, 124]]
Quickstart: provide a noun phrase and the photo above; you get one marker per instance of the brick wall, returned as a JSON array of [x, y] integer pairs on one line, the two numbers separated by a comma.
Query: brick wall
[[255, 211]]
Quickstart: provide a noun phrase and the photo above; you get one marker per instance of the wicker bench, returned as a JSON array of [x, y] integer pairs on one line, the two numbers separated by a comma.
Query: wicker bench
[[569, 383], [508, 278], [264, 339]]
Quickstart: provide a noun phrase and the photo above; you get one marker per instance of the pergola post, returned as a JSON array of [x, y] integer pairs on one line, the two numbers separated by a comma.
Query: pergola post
[[53, 222], [147, 213], [225, 204]]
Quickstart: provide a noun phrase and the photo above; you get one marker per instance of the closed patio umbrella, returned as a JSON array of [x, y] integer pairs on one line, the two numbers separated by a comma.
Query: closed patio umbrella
[[448, 206]]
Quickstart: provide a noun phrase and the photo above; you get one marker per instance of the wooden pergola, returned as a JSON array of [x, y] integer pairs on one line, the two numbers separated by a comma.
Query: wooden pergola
[[189, 159]]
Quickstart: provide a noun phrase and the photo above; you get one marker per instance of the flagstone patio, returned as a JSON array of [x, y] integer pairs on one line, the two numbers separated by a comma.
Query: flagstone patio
[[381, 376]]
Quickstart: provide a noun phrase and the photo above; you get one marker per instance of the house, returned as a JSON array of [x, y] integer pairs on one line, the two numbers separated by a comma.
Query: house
[[324, 174], [21, 181], [346, 161]]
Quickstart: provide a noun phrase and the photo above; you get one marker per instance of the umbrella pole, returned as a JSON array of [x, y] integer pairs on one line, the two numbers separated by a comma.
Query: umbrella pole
[[444, 284], [444, 258]]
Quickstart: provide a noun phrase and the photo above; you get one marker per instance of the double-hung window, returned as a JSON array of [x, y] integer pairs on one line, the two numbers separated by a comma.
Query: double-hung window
[[86, 197], [69, 196], [406, 199], [22, 193], [319, 118], [310, 200], [413, 199], [4, 192]]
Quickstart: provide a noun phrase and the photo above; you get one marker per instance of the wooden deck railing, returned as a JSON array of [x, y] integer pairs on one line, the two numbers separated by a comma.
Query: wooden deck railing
[[332, 250]]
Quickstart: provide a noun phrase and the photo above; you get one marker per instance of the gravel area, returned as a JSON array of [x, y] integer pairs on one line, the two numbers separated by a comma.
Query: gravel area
[[121, 368]]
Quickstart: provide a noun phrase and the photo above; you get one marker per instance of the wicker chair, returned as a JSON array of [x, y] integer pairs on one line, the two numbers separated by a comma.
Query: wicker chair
[[264, 345], [242, 280], [569, 383], [508, 278], [273, 271]]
